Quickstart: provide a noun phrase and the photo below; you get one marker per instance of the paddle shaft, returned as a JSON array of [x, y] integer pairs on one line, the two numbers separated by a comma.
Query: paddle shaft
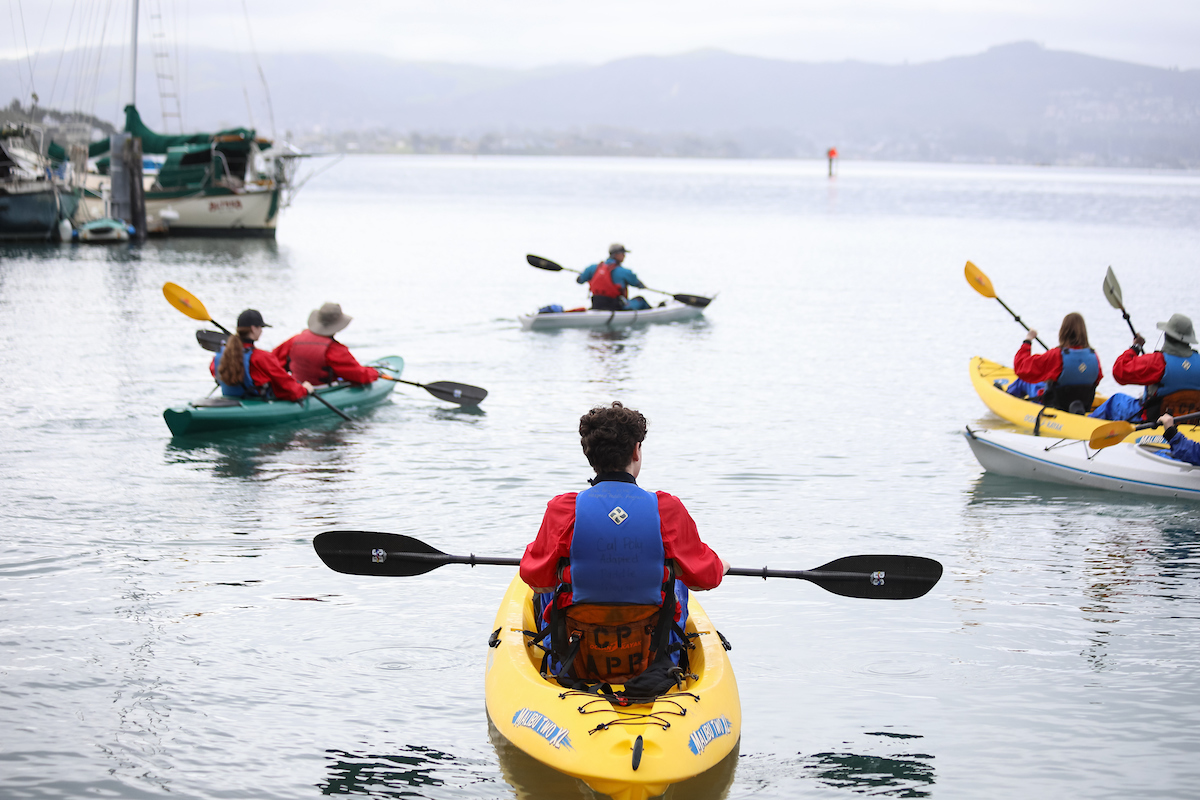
[[1184, 418], [1020, 322]]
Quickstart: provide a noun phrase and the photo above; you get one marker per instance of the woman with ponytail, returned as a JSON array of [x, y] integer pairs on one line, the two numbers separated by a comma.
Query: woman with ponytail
[[245, 371]]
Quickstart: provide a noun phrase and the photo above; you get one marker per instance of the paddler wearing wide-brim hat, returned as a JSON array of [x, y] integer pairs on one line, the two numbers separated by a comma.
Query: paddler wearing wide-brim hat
[[314, 354], [1174, 368]]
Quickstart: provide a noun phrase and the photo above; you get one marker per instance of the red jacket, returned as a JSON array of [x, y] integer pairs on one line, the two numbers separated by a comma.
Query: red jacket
[[1045, 366], [1140, 370], [265, 368], [337, 357], [696, 564]]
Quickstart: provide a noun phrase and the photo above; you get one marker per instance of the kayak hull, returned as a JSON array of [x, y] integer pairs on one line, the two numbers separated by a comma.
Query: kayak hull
[[1126, 467], [199, 418], [532, 714], [671, 312], [1033, 417]]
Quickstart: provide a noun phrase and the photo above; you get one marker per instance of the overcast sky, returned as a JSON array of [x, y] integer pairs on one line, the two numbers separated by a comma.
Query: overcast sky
[[531, 33]]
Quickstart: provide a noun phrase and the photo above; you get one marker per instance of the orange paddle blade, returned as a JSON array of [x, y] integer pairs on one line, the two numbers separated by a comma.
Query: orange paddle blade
[[1110, 434], [979, 282], [185, 301]]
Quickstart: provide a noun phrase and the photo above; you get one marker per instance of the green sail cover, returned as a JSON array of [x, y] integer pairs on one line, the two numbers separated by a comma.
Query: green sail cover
[[233, 140]]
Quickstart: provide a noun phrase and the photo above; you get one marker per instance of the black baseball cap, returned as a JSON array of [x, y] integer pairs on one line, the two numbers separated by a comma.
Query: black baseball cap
[[249, 318]]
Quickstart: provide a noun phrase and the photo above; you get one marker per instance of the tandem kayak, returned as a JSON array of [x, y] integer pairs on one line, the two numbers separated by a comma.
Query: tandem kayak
[[1035, 417], [1134, 467], [628, 752], [214, 414], [553, 320]]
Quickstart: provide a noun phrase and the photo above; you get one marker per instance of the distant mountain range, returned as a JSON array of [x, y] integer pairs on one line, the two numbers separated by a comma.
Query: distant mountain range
[[1017, 103]]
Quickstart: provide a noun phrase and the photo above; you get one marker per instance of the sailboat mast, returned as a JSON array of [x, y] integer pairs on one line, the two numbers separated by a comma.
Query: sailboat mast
[[133, 64]]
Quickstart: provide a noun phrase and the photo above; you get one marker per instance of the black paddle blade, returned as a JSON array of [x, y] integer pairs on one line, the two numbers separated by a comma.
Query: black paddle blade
[[461, 393], [543, 263], [879, 577], [211, 340], [693, 300], [371, 553]]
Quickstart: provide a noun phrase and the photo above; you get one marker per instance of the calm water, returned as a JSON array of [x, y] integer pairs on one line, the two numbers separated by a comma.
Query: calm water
[[166, 630]]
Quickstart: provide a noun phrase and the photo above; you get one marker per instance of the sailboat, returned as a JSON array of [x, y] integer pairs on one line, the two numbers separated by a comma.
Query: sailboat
[[227, 183], [34, 198], [232, 183]]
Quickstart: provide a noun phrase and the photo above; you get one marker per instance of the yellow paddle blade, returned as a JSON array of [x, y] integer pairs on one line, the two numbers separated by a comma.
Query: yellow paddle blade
[[185, 301], [1110, 434], [979, 282]]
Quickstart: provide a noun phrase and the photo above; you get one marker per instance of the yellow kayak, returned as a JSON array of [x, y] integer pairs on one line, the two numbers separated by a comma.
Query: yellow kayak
[[627, 752], [1042, 421], [1034, 417]]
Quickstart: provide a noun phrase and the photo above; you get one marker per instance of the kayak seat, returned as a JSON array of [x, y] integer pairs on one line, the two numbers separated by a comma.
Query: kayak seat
[[610, 643], [1185, 401], [216, 402], [1064, 397]]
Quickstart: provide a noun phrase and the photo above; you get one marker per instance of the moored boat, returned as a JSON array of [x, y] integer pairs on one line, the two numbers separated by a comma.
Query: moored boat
[[630, 752], [214, 414], [671, 311], [33, 199], [1134, 466], [990, 379]]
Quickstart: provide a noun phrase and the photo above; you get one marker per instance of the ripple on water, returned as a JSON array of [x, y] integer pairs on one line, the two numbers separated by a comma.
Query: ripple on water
[[424, 659]]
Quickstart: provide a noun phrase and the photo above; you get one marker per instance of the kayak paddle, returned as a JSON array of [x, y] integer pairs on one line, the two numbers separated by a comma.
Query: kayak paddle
[[1114, 432], [186, 302], [1112, 291], [462, 393], [980, 283], [686, 299], [871, 576]]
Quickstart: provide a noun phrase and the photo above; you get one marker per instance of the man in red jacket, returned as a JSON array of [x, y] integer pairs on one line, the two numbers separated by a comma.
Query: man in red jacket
[[1174, 368], [606, 548], [315, 356]]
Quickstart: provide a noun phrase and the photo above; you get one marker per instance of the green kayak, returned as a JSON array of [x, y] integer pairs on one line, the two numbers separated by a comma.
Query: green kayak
[[214, 414]]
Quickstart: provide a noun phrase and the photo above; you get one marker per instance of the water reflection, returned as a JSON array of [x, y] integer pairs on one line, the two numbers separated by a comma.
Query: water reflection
[[990, 488], [908, 775], [253, 454], [533, 780], [415, 771]]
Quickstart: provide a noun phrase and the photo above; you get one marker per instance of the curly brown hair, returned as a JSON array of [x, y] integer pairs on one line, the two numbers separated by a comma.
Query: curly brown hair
[[609, 435]]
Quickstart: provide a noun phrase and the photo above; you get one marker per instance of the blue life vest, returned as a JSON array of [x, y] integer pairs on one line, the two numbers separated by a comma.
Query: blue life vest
[[1080, 367], [247, 387], [1181, 373], [617, 550]]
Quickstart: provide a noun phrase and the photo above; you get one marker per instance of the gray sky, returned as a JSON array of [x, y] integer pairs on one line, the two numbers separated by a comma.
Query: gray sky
[[530, 33]]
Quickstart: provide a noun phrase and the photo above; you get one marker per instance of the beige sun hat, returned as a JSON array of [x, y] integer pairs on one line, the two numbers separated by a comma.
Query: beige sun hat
[[328, 319], [1178, 327]]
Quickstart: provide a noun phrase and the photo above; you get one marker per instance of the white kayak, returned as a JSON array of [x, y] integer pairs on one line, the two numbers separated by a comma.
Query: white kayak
[[1126, 467], [552, 320]]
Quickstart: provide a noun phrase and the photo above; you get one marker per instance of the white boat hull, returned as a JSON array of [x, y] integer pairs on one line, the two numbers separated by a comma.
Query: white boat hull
[[251, 213], [1125, 467], [247, 214], [671, 312]]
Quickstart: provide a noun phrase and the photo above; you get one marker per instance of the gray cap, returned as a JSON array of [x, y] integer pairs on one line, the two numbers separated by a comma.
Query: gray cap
[[1178, 327], [615, 248]]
